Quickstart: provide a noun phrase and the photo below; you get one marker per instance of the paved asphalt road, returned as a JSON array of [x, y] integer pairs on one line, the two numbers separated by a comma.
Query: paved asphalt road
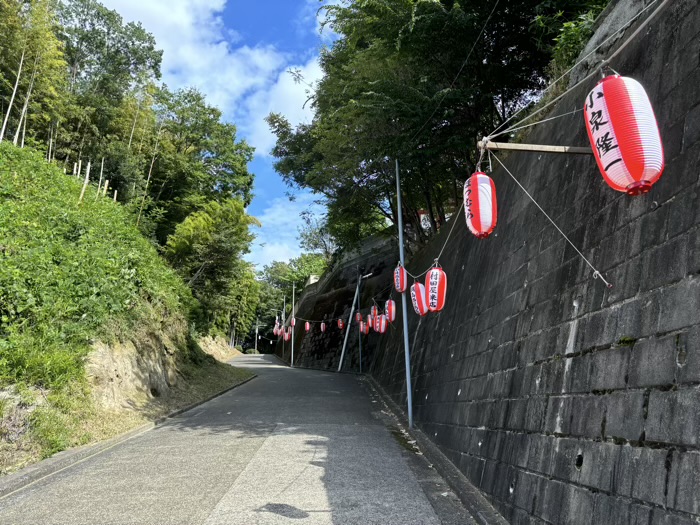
[[291, 446]]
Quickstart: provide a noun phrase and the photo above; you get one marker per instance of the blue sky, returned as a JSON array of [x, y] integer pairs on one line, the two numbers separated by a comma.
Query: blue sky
[[239, 52]]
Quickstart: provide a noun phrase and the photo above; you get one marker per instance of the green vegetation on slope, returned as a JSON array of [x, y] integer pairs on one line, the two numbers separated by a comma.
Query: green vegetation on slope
[[69, 273]]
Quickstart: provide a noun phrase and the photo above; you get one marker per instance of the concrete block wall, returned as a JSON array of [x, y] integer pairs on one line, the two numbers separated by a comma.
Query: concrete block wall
[[562, 400]]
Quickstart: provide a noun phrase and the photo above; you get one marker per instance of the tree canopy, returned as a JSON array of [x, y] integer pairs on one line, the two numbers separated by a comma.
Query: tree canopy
[[421, 81]]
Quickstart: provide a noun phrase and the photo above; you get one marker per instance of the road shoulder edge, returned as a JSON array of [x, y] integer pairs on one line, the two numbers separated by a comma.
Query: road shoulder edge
[[472, 498], [68, 458]]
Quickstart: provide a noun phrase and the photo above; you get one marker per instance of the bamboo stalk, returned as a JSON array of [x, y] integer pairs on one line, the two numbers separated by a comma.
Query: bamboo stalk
[[85, 183], [99, 184]]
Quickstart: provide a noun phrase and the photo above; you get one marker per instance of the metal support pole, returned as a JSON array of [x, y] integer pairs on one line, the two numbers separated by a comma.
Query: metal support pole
[[407, 353], [507, 146], [359, 337], [256, 335], [291, 362], [347, 331]]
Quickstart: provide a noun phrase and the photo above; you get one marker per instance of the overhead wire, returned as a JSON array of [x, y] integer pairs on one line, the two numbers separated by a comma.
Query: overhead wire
[[596, 273], [497, 133]]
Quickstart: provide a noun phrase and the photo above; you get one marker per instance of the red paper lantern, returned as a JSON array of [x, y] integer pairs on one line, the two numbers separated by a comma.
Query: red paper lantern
[[294, 321], [375, 323], [418, 299], [436, 289], [374, 311], [341, 324], [275, 330], [358, 317], [307, 325], [390, 310], [323, 327], [624, 135], [382, 324], [480, 207], [400, 279], [288, 335], [362, 327], [370, 320]]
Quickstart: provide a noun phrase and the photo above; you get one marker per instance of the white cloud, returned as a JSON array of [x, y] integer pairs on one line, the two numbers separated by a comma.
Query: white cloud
[[313, 18], [277, 239], [200, 51], [285, 96]]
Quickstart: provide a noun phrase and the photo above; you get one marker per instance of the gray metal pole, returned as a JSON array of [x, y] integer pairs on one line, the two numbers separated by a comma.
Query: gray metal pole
[[256, 335], [291, 362], [359, 339], [407, 353], [347, 331], [359, 336]]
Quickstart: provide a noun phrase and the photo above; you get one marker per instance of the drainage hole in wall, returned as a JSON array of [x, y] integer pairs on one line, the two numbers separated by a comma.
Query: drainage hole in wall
[[579, 461], [512, 487]]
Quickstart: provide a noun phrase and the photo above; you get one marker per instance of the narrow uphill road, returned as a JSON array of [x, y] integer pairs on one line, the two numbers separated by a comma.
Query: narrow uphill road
[[291, 446]]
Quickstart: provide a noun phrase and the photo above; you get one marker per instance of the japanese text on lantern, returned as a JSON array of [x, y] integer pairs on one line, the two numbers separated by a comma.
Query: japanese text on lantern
[[434, 279], [602, 130], [468, 203]]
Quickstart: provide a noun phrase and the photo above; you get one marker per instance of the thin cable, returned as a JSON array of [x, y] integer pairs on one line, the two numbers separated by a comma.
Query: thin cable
[[622, 28], [483, 28], [511, 130], [444, 245], [596, 273]]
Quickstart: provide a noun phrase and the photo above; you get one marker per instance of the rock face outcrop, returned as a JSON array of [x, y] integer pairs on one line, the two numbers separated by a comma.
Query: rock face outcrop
[[562, 400], [128, 373]]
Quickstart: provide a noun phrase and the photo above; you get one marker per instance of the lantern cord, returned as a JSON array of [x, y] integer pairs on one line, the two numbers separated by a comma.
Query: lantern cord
[[511, 130], [596, 273], [442, 99], [449, 235], [497, 133]]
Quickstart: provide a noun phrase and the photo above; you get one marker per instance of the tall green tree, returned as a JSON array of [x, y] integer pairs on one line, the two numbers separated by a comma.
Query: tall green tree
[[206, 249]]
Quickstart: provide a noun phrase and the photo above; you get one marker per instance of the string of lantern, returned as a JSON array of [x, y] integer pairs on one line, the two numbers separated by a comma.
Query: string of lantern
[[624, 139]]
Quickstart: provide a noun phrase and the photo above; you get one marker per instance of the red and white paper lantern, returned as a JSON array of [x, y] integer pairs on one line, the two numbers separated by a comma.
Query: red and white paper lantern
[[307, 326], [374, 311], [375, 323], [358, 317], [382, 324], [390, 310], [323, 327], [363, 325], [341, 324], [400, 279], [418, 299], [480, 208], [435, 289], [294, 321], [370, 320], [288, 335], [624, 135]]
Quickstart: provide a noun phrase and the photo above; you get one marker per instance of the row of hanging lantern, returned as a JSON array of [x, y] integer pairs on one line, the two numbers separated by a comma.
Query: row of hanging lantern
[[626, 143], [425, 298]]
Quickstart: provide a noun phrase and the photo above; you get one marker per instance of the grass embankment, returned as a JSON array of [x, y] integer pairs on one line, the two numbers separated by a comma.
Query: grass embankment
[[72, 274]]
